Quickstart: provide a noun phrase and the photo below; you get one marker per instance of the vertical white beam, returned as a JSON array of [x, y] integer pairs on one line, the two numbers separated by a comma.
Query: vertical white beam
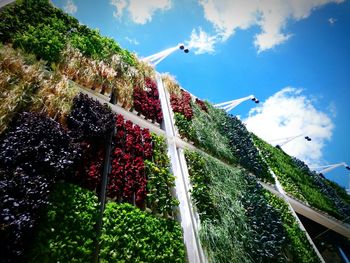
[[178, 163]]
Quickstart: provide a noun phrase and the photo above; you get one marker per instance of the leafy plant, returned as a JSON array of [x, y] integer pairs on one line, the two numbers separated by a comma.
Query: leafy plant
[[207, 133], [269, 241], [237, 223], [244, 149], [160, 181], [224, 228], [55, 97], [45, 40], [300, 249], [127, 180], [89, 119], [40, 145], [131, 235], [202, 105], [67, 231], [146, 101], [22, 196], [182, 104], [184, 126], [19, 79], [298, 180]]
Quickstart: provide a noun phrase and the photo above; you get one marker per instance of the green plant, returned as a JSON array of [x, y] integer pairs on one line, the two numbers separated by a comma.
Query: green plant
[[184, 126], [224, 230], [46, 41], [131, 235], [67, 230], [296, 180], [300, 248], [160, 180], [207, 133]]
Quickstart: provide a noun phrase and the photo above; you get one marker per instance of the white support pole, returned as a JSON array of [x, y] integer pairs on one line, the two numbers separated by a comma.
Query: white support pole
[[179, 168], [5, 2], [328, 168], [229, 105], [155, 59]]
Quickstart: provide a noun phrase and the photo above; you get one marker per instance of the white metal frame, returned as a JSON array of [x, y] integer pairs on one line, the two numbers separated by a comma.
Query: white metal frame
[[288, 139], [327, 168], [155, 59], [229, 105]]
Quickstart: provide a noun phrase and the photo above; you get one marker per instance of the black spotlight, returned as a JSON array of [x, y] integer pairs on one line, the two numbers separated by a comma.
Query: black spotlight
[[257, 101], [307, 138], [347, 167], [186, 50], [182, 47], [253, 99]]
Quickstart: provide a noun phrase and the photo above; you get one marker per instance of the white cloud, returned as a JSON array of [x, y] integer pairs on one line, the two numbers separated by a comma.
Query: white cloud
[[289, 113], [332, 20], [70, 7], [141, 12], [271, 16], [119, 5], [201, 42], [132, 40]]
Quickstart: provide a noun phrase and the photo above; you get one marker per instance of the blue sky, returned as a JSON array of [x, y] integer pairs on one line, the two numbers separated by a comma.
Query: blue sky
[[293, 55]]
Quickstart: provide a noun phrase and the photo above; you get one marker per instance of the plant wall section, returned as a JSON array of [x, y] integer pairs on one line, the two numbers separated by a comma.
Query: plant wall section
[[226, 138], [81, 54], [303, 184], [241, 222], [214, 131], [51, 171]]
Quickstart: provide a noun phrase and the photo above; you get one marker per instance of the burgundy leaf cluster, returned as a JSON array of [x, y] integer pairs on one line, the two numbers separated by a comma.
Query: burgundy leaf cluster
[[127, 180], [202, 105], [182, 104], [90, 173], [146, 101]]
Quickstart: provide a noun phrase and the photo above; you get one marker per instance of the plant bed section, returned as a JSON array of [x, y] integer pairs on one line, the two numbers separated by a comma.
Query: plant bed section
[[79, 53], [214, 131], [303, 184], [132, 235], [238, 224]]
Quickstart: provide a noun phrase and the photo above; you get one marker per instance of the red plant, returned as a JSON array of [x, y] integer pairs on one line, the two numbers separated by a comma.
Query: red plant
[[146, 101], [127, 180], [90, 174], [182, 104], [202, 105]]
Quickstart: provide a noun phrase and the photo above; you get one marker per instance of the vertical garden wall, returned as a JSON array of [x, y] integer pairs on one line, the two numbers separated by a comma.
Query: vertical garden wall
[[55, 140], [81, 182]]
